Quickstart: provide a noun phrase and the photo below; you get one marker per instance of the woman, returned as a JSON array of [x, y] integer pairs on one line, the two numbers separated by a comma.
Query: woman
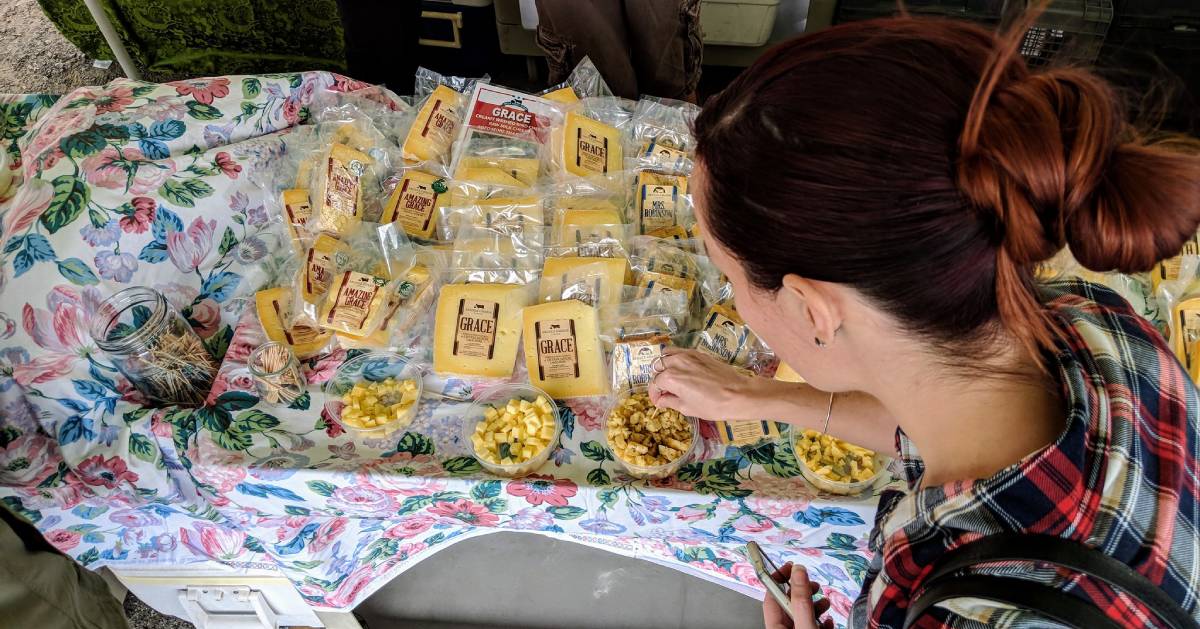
[[879, 195]]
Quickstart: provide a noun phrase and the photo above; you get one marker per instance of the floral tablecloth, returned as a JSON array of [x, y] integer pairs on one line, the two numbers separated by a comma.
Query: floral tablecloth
[[143, 184]]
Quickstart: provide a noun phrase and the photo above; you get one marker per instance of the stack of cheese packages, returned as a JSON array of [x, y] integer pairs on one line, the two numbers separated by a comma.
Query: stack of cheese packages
[[1175, 283]]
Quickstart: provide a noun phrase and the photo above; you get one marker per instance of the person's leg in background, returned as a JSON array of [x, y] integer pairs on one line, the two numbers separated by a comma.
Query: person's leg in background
[[665, 46], [569, 30], [43, 588]]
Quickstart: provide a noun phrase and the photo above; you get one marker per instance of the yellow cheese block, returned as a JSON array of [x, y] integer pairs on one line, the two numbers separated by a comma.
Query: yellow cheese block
[[590, 147], [562, 95], [562, 349], [651, 283], [320, 263], [405, 306], [340, 203], [478, 329], [786, 374], [274, 307], [523, 169], [415, 202], [488, 174], [565, 202], [574, 224], [1194, 366], [433, 131], [297, 209], [595, 281]]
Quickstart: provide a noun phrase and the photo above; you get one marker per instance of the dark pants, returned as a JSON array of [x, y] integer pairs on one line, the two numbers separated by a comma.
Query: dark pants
[[640, 46]]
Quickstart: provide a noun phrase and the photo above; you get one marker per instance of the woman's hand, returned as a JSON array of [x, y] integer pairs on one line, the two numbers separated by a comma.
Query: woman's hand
[[802, 590], [699, 385]]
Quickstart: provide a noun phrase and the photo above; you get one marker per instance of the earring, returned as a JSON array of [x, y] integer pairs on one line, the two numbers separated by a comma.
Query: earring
[[819, 342]]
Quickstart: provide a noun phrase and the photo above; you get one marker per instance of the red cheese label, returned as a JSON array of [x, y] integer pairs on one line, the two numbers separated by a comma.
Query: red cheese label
[[510, 113]]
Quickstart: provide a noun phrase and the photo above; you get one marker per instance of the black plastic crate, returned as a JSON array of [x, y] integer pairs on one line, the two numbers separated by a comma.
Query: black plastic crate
[[1068, 31]]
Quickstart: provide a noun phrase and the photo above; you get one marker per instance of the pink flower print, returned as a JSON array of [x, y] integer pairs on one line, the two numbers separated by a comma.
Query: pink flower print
[[531, 519], [212, 541], [291, 111], [751, 524], [160, 428], [839, 604], [327, 534], [127, 169], [8, 327], [324, 368], [163, 108], [28, 460], [205, 317], [110, 472], [63, 539], [363, 500], [537, 490], [32, 198], [52, 131], [785, 536], [466, 512], [227, 165], [188, 249], [589, 412], [141, 218], [691, 514], [408, 485], [221, 471], [114, 100], [744, 572], [349, 589], [411, 549], [410, 527], [203, 90], [61, 330], [776, 508]]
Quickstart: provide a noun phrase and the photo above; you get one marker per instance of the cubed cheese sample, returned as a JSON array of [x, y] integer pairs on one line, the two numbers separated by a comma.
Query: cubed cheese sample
[[595, 281], [369, 405], [562, 349], [478, 329], [434, 130], [590, 147], [274, 309], [515, 432], [415, 202]]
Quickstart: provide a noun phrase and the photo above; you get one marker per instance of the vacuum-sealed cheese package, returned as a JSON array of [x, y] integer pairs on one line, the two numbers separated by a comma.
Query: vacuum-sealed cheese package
[[416, 203], [562, 349], [503, 128], [339, 206], [478, 329], [660, 201], [594, 281], [274, 307], [585, 80], [660, 136]]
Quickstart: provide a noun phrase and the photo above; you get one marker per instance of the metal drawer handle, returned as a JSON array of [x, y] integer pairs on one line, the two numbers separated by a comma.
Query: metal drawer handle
[[455, 20]]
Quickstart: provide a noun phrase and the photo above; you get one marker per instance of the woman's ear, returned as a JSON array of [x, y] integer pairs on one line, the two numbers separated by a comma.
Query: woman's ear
[[815, 302]]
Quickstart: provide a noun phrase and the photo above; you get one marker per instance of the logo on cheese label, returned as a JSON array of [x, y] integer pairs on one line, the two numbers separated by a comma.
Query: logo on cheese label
[[724, 338], [591, 151], [353, 301], [414, 207], [658, 204], [475, 328], [632, 363], [664, 156], [556, 352]]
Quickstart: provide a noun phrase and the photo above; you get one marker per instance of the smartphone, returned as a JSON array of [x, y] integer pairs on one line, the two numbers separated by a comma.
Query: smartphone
[[763, 568]]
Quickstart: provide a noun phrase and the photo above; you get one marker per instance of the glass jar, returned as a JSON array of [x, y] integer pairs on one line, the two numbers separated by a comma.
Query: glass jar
[[277, 374], [153, 346]]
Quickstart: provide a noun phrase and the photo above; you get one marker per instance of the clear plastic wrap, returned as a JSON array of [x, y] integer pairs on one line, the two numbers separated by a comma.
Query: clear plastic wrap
[[660, 267], [408, 305], [506, 210], [591, 141], [346, 174], [1180, 297], [392, 115], [496, 255], [586, 195], [724, 335], [585, 80], [660, 137], [503, 132], [597, 282], [416, 202], [426, 81]]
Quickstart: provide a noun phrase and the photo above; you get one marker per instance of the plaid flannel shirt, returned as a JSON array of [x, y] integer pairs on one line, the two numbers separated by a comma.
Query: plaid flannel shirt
[[1122, 478]]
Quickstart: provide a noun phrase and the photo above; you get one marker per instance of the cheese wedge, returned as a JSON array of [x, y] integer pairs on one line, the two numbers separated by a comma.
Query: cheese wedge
[[562, 95], [562, 349], [594, 281], [674, 232], [1185, 331], [320, 262], [274, 307], [433, 131], [590, 147], [478, 329], [297, 209], [355, 303], [786, 374], [340, 204], [415, 203], [405, 306]]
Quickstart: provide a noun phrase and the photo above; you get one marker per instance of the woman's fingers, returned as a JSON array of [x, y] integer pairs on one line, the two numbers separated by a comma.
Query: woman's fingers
[[802, 605]]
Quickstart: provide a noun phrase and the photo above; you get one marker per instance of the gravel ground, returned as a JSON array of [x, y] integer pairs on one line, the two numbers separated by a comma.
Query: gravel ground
[[36, 58]]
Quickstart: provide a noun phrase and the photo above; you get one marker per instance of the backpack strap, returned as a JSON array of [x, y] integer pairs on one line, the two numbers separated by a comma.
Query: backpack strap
[[942, 584]]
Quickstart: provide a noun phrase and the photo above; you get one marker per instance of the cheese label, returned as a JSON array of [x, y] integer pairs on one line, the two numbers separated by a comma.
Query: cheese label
[[741, 433], [1187, 331], [509, 113], [432, 132], [724, 336], [591, 151], [342, 200], [297, 209], [663, 156], [318, 270], [442, 119], [475, 328], [670, 261], [413, 204], [658, 205], [353, 301], [633, 360], [556, 355], [656, 283]]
